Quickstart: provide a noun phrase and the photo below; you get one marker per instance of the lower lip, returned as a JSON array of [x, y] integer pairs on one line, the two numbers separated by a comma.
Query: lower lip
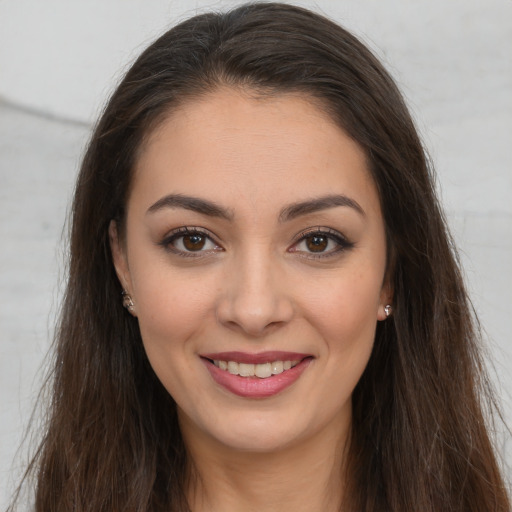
[[254, 387]]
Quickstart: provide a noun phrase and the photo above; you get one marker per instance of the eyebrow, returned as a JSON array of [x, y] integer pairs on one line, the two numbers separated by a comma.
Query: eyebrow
[[292, 211], [318, 204], [195, 204]]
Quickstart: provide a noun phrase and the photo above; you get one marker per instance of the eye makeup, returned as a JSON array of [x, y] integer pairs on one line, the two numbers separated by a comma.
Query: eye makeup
[[320, 242], [314, 242], [190, 241]]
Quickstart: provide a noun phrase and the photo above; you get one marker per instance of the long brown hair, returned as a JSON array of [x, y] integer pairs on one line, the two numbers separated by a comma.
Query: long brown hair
[[419, 439]]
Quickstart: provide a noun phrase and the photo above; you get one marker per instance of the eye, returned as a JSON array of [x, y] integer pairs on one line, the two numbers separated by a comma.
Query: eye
[[187, 241], [320, 242]]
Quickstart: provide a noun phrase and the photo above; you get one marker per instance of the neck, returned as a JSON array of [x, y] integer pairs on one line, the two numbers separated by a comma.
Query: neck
[[304, 478]]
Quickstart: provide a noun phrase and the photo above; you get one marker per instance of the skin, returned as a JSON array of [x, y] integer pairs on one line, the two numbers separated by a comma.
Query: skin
[[256, 286]]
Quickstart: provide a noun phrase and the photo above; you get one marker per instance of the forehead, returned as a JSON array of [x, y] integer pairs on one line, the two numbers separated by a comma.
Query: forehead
[[236, 146]]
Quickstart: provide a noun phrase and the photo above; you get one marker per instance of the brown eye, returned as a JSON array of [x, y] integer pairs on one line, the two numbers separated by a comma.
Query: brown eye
[[194, 242], [317, 243], [321, 243], [191, 242]]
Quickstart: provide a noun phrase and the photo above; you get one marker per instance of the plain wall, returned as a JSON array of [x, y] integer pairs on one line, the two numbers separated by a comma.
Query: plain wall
[[60, 59]]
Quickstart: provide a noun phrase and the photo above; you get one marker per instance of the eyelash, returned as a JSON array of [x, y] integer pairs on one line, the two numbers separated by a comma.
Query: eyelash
[[342, 244], [169, 240], [330, 234]]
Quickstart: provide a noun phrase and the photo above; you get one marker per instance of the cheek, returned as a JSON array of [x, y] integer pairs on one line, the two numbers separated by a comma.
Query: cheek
[[172, 305], [171, 314], [345, 316], [348, 304], [347, 323]]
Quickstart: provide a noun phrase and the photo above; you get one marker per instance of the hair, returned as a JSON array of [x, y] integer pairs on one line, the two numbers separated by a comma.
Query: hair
[[420, 437]]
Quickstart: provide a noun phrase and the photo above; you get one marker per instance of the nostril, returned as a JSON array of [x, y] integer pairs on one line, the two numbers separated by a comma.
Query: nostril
[[254, 306]]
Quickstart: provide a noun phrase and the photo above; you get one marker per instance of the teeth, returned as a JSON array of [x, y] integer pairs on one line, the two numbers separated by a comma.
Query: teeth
[[277, 367], [246, 370], [261, 371]]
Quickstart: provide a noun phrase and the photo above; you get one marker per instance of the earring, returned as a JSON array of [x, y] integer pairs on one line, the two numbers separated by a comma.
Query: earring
[[128, 301], [388, 310]]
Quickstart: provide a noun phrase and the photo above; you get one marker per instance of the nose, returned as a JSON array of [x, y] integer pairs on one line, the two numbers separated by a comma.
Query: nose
[[254, 298]]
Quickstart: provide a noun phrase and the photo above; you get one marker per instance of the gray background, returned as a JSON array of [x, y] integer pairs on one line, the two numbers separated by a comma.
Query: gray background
[[58, 62]]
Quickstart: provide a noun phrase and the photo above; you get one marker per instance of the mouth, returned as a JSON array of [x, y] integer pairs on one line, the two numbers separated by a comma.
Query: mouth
[[256, 375], [260, 370]]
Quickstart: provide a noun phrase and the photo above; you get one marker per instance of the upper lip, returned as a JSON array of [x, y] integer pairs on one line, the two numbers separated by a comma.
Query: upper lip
[[258, 358]]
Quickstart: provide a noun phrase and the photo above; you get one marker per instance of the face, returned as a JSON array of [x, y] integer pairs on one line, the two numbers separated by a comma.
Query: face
[[255, 255]]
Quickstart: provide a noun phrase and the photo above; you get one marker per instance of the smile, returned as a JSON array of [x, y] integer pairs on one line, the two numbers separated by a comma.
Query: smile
[[261, 370], [256, 375]]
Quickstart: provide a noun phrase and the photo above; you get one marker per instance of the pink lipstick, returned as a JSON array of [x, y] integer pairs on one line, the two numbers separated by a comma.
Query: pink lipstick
[[256, 375]]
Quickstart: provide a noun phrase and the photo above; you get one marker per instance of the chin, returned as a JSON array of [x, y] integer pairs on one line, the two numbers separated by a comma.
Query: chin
[[257, 440], [257, 431]]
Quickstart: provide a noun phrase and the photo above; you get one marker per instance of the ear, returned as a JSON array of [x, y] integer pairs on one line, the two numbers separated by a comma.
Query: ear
[[119, 258], [386, 299]]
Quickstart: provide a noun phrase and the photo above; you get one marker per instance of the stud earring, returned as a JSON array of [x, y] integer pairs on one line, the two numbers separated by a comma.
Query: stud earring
[[128, 301], [388, 310]]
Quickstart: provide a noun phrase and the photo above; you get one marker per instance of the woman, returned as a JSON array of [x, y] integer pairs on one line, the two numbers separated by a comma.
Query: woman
[[263, 310]]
